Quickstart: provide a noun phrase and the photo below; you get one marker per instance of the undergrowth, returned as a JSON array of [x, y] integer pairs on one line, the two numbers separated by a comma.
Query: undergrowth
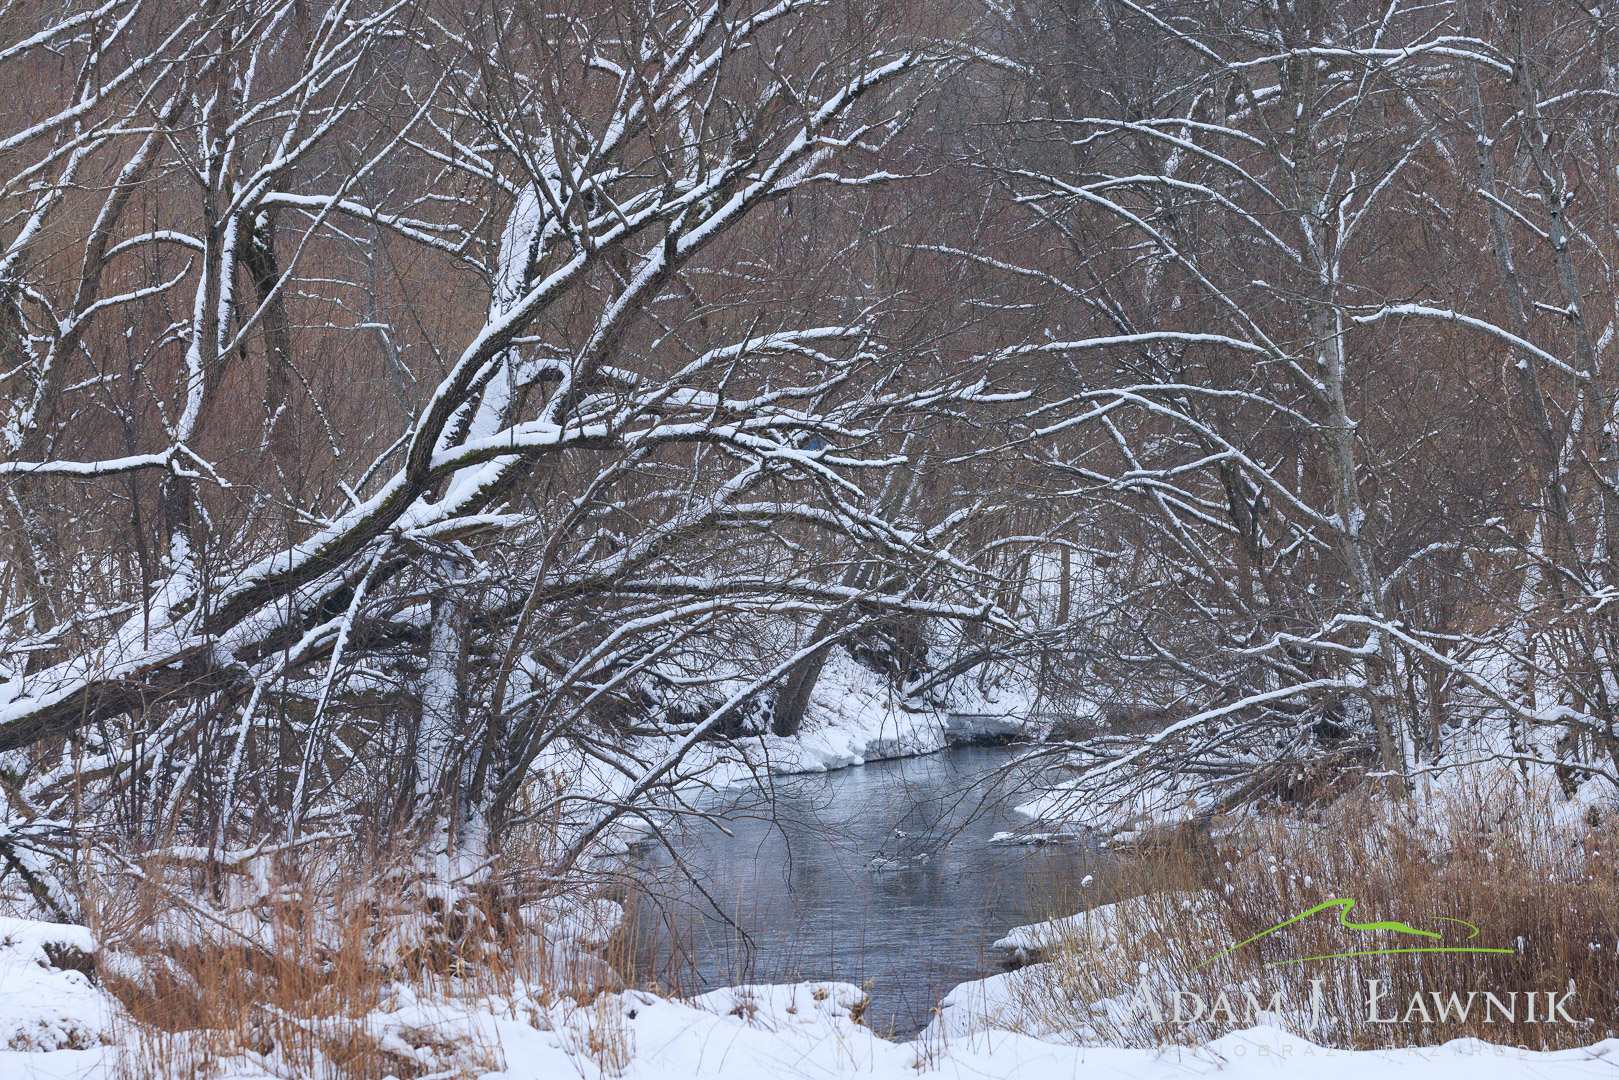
[[328, 967], [1486, 860]]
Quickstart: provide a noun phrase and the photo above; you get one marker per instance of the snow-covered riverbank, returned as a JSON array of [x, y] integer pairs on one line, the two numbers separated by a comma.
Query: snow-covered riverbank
[[60, 1027], [855, 716]]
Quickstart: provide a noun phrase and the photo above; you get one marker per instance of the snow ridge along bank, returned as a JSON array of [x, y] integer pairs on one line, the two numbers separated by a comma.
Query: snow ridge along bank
[[855, 716], [803, 1030]]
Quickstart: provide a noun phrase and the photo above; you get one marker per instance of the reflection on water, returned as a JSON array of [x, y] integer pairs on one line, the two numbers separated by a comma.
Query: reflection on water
[[882, 875]]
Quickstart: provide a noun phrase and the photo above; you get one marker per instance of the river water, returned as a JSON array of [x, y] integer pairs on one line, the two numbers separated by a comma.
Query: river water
[[882, 875]]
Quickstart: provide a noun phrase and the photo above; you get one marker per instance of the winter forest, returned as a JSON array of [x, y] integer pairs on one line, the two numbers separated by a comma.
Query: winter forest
[[456, 453]]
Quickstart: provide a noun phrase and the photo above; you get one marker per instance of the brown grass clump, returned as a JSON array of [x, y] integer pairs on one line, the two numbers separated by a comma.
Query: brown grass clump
[[319, 968], [1532, 873]]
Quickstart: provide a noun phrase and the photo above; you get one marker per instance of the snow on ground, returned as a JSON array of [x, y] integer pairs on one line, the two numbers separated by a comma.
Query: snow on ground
[[53, 1020], [811, 1030], [1123, 817], [1479, 767], [1093, 929], [44, 1007], [55, 1024], [60, 1026], [853, 717]]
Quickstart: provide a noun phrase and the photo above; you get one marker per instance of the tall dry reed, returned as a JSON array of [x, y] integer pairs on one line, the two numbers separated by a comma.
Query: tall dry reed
[[1488, 861], [325, 968]]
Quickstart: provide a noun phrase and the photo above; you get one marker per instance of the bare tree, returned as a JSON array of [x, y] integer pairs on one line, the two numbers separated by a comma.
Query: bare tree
[[641, 474], [1215, 208]]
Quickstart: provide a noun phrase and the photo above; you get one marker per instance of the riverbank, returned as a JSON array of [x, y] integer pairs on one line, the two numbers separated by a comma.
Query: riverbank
[[806, 1030], [855, 716], [1099, 997], [1481, 905], [890, 874]]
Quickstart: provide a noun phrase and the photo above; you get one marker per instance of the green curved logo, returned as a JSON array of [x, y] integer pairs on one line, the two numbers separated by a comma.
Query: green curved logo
[[1344, 906]]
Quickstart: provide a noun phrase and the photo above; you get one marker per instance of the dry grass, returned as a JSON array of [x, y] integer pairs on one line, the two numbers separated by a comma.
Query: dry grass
[[325, 969], [1525, 868]]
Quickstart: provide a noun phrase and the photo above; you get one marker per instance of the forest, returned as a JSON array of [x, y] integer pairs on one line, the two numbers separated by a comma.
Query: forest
[[446, 441]]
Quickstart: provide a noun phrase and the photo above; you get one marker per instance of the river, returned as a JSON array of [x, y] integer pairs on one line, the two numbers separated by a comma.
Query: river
[[883, 875]]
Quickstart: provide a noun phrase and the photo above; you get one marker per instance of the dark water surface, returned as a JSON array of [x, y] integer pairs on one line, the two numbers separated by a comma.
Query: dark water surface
[[881, 875]]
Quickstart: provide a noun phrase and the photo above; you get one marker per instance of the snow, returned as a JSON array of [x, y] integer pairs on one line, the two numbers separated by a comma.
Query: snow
[[1036, 838], [57, 1027], [45, 1011], [56, 1024], [1093, 929], [812, 1030], [590, 922], [853, 717], [1127, 816]]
